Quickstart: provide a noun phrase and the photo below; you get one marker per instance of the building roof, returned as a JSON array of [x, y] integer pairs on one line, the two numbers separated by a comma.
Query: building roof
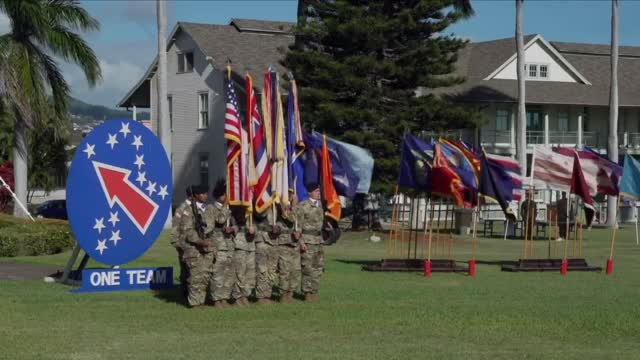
[[251, 45], [477, 61]]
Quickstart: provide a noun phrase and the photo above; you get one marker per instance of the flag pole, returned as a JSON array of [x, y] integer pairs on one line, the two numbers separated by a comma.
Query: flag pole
[[472, 262], [613, 239], [636, 208], [427, 264], [426, 224], [438, 226], [393, 214], [565, 263]]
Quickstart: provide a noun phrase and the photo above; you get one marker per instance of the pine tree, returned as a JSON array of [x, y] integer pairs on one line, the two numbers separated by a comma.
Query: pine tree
[[360, 64]]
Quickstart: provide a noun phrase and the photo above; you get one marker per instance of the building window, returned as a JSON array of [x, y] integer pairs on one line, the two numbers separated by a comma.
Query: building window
[[203, 110], [533, 70], [170, 106], [563, 121], [204, 169], [185, 62], [544, 71], [502, 120]]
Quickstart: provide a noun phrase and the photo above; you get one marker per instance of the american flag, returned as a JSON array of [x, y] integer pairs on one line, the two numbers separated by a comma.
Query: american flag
[[551, 170], [260, 166], [237, 183], [601, 174]]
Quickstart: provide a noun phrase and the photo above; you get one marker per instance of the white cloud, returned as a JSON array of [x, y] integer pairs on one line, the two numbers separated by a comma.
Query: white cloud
[[117, 79], [5, 25]]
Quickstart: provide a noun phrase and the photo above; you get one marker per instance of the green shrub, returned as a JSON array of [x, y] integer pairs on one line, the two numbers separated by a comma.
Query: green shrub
[[43, 237]]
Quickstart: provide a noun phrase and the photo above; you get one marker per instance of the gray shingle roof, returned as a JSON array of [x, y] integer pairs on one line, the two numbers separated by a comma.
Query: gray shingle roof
[[479, 60], [248, 51], [252, 46]]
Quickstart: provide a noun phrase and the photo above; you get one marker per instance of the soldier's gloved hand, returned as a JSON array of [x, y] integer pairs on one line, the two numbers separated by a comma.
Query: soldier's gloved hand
[[296, 235], [303, 248], [275, 229], [251, 230], [229, 230]]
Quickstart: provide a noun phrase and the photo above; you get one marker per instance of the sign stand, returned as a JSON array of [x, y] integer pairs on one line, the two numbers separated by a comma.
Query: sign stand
[[69, 276]]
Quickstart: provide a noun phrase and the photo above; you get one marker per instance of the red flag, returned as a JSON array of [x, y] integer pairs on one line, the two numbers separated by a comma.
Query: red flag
[[580, 188], [444, 180], [329, 194], [238, 191]]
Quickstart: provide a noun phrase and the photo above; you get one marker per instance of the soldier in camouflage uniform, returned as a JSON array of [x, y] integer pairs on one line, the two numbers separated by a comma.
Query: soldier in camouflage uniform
[[266, 257], [311, 218], [177, 240], [220, 229], [288, 252], [198, 252], [244, 259]]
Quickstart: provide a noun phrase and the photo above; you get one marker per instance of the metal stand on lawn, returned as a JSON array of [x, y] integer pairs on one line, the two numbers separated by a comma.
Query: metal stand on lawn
[[562, 265], [405, 234]]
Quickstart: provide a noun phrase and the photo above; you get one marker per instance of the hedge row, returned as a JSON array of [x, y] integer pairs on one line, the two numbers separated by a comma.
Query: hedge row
[[20, 237]]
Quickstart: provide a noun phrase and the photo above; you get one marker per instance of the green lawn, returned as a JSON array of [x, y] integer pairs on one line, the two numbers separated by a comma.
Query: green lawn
[[362, 315]]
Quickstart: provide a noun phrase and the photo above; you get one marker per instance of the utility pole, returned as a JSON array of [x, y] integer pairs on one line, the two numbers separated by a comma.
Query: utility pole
[[164, 129]]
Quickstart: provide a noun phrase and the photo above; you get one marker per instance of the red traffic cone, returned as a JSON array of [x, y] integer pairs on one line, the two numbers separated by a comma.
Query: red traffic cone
[[472, 267], [427, 268], [609, 266], [564, 266]]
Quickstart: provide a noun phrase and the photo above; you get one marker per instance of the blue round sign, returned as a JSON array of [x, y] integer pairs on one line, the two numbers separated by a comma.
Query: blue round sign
[[118, 191]]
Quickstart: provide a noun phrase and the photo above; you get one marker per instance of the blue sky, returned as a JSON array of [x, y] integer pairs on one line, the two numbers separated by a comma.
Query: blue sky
[[127, 41]]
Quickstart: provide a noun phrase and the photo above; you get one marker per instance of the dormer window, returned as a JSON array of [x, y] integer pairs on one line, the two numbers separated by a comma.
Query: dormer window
[[536, 71]]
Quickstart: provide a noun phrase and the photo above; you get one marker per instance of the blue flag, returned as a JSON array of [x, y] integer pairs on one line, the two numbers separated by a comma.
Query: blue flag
[[295, 146], [344, 179], [415, 163], [358, 161], [496, 184], [630, 184]]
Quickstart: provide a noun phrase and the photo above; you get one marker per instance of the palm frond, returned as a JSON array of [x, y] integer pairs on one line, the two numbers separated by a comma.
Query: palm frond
[[71, 14], [71, 47]]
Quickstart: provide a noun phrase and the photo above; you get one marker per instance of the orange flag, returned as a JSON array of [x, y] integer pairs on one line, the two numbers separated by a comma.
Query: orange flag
[[329, 194]]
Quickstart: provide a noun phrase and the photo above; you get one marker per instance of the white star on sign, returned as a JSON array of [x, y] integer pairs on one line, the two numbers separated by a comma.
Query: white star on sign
[[89, 150], [137, 141], [113, 218], [139, 161], [125, 130], [102, 246], [115, 237], [99, 225], [112, 140], [141, 178], [151, 188], [163, 191]]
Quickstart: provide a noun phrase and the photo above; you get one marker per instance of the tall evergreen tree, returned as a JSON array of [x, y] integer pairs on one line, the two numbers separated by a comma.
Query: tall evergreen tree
[[360, 65]]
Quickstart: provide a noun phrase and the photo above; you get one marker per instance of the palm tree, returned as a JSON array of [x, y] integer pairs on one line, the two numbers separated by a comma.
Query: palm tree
[[613, 107], [29, 73], [521, 125]]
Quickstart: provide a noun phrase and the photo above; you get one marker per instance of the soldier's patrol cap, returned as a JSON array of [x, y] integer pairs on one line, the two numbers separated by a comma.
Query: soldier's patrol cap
[[312, 186], [197, 189], [220, 188]]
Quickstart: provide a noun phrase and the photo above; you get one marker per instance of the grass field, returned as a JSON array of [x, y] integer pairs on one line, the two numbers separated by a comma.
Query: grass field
[[362, 315]]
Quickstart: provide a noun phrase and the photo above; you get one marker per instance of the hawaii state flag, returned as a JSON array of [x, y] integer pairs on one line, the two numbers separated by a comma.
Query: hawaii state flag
[[259, 163]]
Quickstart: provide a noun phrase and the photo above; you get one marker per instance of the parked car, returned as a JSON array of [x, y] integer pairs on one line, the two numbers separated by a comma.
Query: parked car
[[52, 209]]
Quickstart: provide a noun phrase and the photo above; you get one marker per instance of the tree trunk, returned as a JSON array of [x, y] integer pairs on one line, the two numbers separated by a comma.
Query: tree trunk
[[20, 161], [613, 108], [521, 123], [164, 128]]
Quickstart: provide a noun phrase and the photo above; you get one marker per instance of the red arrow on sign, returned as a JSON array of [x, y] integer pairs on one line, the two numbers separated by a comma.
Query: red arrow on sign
[[118, 189]]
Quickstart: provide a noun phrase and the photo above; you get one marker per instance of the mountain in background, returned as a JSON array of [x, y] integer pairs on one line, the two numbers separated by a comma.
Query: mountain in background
[[84, 113]]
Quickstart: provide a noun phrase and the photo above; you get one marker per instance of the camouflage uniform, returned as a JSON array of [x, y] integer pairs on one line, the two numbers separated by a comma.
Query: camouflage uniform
[[198, 260], [223, 274], [177, 241], [311, 217], [266, 258], [288, 254], [244, 264]]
